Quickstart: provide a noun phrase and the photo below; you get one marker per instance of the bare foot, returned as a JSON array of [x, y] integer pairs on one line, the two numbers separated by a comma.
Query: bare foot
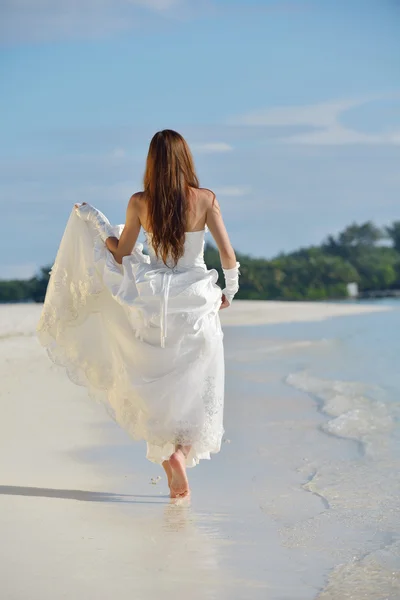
[[168, 471], [179, 483]]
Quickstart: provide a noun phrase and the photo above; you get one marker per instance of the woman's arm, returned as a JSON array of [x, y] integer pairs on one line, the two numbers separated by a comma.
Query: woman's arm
[[217, 228], [227, 254], [124, 246]]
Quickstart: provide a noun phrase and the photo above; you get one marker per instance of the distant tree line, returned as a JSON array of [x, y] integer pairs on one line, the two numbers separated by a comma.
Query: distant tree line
[[18, 290], [364, 254]]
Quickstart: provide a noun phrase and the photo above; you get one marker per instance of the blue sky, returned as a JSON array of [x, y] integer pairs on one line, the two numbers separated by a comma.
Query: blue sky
[[292, 110]]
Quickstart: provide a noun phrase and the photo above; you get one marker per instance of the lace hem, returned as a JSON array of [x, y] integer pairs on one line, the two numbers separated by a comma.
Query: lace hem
[[208, 438]]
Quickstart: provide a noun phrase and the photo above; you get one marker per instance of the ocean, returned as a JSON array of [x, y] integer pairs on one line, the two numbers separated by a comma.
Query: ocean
[[349, 368]]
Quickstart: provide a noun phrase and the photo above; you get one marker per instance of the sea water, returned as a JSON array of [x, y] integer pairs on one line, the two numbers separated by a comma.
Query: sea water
[[350, 369]]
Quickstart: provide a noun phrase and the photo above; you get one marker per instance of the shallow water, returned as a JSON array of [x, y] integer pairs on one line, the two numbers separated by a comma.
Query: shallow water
[[349, 368]]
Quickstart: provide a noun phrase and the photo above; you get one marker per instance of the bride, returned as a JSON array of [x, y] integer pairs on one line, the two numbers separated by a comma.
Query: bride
[[142, 331]]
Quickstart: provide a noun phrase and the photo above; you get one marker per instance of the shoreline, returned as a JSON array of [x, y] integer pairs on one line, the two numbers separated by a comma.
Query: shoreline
[[269, 312], [22, 318]]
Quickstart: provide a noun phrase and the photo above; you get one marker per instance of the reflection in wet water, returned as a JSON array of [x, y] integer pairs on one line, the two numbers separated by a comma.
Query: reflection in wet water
[[177, 555]]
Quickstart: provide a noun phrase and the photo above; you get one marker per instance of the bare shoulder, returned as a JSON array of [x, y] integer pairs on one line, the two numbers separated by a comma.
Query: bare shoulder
[[136, 201], [207, 194], [206, 197]]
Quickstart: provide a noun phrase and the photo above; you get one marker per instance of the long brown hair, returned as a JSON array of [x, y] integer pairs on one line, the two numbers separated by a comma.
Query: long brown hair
[[169, 175]]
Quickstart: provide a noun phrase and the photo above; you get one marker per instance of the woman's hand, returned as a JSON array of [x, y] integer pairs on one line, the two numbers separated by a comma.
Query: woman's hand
[[92, 215], [224, 302]]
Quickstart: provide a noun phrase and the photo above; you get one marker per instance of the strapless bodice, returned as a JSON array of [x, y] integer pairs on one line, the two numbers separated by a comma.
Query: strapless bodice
[[193, 255]]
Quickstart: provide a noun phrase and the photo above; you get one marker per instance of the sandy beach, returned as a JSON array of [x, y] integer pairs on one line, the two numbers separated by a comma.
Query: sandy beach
[[254, 312], [83, 515]]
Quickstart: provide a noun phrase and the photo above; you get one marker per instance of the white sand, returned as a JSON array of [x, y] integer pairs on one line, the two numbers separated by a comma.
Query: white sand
[[81, 519], [255, 312]]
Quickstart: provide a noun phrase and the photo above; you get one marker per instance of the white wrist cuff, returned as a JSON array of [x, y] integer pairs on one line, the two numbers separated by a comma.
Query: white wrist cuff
[[231, 282]]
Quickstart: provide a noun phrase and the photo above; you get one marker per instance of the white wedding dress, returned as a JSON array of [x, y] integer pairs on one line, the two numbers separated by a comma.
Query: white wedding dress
[[143, 337]]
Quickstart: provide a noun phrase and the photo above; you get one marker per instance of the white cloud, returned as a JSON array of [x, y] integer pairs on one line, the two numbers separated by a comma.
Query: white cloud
[[115, 195], [74, 6], [118, 153], [325, 121], [317, 115], [339, 135], [211, 147], [157, 5], [47, 20], [54, 20], [232, 190]]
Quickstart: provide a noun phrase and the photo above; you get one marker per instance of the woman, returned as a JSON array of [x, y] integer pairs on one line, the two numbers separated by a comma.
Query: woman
[[142, 332]]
